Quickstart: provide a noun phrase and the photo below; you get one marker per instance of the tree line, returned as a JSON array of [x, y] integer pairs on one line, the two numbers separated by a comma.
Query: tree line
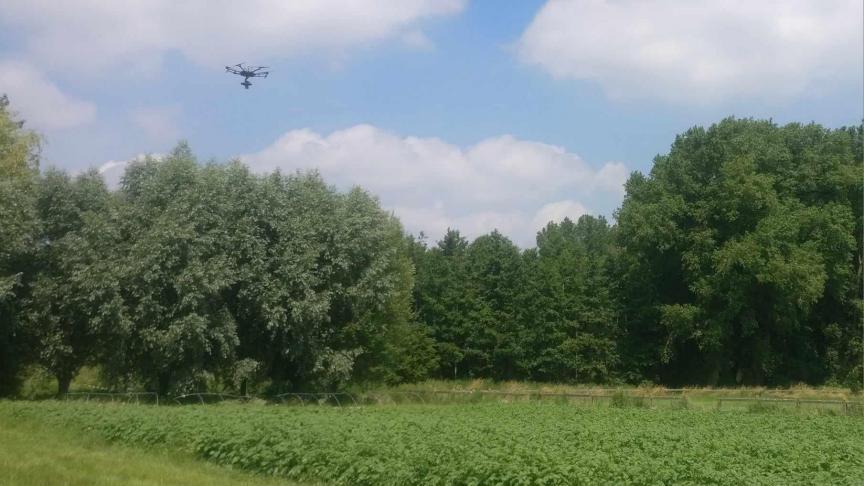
[[737, 260]]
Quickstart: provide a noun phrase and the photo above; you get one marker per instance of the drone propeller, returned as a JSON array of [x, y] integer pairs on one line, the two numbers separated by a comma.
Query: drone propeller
[[247, 72]]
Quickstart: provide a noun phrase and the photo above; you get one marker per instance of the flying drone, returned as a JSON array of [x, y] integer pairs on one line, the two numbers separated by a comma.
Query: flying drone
[[247, 72]]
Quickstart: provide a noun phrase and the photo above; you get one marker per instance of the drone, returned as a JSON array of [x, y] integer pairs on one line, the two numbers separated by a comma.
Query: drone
[[247, 72]]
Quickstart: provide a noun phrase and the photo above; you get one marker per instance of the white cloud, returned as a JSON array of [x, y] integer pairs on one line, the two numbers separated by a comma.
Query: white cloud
[[612, 177], [503, 183], [557, 211], [159, 123], [39, 101], [112, 171], [699, 51], [500, 182], [86, 35]]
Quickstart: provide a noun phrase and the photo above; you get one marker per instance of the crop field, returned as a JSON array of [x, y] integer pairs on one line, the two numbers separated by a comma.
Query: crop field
[[34, 455], [481, 443]]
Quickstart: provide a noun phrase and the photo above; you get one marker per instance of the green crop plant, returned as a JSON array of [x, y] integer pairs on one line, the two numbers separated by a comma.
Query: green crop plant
[[483, 443]]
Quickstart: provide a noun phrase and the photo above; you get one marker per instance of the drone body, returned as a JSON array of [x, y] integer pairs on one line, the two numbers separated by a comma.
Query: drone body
[[247, 72]]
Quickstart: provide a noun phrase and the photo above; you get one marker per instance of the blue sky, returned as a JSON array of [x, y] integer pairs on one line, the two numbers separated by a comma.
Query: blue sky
[[474, 114]]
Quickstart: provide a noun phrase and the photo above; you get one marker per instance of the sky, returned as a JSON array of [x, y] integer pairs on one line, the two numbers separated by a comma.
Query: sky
[[475, 115]]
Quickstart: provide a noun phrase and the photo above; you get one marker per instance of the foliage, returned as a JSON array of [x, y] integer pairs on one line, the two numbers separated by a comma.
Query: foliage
[[490, 443], [318, 276], [19, 164], [72, 302], [443, 301], [736, 261], [571, 310], [34, 454], [740, 261], [169, 262]]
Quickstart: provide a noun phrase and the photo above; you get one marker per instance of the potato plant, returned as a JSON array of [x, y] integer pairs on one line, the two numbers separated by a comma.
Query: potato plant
[[489, 443]]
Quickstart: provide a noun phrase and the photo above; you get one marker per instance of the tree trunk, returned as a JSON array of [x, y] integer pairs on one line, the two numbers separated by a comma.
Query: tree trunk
[[63, 382], [164, 383], [714, 367]]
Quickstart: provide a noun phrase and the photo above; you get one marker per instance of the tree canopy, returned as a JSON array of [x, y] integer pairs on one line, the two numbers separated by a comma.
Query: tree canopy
[[742, 255], [736, 260]]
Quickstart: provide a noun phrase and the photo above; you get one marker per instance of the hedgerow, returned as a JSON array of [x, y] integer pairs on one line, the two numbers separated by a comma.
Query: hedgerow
[[489, 443]]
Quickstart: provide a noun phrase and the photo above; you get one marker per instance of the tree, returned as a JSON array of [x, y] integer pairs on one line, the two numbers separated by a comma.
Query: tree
[[443, 302], [492, 345], [733, 244], [317, 275], [570, 310], [173, 265], [467, 296], [403, 351], [73, 303], [19, 165]]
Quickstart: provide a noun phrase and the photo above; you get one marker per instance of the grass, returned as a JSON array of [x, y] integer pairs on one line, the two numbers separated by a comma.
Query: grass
[[39, 384], [34, 454], [795, 391], [700, 398]]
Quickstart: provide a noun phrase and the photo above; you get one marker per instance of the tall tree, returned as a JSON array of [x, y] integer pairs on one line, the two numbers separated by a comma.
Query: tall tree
[[402, 351], [317, 277], [493, 268], [19, 166], [173, 266], [571, 312], [443, 301], [73, 304], [732, 243]]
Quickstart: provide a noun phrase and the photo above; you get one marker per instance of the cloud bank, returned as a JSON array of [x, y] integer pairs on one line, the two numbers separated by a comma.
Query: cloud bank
[[699, 51], [97, 35], [39, 101], [502, 182]]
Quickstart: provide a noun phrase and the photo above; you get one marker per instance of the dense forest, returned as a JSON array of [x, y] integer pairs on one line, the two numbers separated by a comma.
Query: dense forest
[[736, 260]]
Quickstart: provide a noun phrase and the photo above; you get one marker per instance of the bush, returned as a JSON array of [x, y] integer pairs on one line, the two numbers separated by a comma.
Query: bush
[[37, 383]]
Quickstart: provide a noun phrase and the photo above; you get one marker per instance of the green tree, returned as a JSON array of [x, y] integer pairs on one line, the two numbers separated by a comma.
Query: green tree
[[493, 268], [317, 275], [73, 304], [19, 165], [570, 310], [173, 266], [468, 295], [403, 351], [733, 244], [443, 302]]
